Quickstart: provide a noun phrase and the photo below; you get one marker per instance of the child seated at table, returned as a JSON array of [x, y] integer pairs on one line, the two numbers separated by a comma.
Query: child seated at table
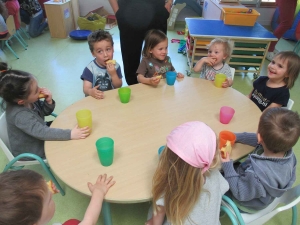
[[188, 176], [27, 130], [27, 200], [218, 51], [273, 90], [102, 73], [270, 170], [155, 62]]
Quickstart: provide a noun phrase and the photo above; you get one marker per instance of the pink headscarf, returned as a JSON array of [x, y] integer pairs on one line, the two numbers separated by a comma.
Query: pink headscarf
[[195, 143]]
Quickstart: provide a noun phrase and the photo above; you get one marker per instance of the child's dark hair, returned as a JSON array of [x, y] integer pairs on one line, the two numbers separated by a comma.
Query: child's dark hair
[[21, 197], [14, 84], [293, 66], [279, 129], [227, 45], [97, 36], [153, 38]]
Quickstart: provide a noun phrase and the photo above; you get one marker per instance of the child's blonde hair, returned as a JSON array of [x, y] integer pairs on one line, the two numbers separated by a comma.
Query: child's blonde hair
[[153, 38], [293, 66], [227, 45], [179, 183]]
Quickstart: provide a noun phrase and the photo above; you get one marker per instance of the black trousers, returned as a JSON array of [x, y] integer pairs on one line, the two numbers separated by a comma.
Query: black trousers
[[134, 20]]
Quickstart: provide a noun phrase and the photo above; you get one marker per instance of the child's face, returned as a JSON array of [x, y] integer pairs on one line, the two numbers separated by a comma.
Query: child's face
[[217, 51], [34, 92], [277, 69], [160, 51], [48, 209], [103, 51]]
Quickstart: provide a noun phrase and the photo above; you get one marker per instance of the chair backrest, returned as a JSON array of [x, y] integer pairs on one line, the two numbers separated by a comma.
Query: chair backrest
[[290, 198], [4, 141], [5, 146], [232, 70], [11, 25], [290, 104]]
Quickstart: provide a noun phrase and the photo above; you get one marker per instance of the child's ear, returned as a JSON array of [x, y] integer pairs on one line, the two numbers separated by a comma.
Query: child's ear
[[259, 139], [20, 102]]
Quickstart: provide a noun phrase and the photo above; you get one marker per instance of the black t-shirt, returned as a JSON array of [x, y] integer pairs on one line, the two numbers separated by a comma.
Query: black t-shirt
[[263, 95]]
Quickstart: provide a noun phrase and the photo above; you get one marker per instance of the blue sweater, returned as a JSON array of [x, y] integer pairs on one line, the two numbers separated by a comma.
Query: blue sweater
[[259, 179]]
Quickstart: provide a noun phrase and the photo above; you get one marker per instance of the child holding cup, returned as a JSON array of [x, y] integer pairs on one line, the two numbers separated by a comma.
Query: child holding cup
[[156, 62], [25, 112], [102, 73], [218, 51], [270, 169]]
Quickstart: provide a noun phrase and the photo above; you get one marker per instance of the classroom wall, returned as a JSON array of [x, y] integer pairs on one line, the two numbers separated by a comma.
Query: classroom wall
[[86, 6]]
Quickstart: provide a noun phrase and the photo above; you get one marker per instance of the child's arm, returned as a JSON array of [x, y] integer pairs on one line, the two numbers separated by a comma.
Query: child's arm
[[274, 105], [98, 190], [249, 96], [154, 81], [208, 60], [114, 5], [88, 89], [116, 81], [157, 219]]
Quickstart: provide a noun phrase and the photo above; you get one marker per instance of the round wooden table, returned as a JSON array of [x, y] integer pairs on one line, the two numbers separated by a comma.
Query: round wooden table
[[139, 128]]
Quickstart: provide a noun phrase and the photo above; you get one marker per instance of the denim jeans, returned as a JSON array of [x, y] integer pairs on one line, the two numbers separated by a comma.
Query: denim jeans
[[36, 26]]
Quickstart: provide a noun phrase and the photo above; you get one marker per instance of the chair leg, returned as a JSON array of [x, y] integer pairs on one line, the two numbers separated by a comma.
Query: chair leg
[[16, 36], [13, 52], [43, 164], [21, 38], [295, 216], [24, 32], [230, 215]]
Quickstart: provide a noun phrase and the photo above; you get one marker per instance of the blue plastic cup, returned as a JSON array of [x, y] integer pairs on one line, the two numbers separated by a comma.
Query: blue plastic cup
[[171, 77], [161, 148]]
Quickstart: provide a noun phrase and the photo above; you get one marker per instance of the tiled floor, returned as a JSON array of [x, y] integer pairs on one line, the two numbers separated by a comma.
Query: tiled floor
[[58, 64]]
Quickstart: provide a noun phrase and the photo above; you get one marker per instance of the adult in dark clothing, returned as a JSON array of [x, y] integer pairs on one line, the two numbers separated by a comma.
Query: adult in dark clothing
[[135, 18]]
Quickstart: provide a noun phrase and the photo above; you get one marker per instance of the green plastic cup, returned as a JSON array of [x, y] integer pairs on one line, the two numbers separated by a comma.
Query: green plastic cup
[[105, 149], [219, 79], [124, 94], [84, 118]]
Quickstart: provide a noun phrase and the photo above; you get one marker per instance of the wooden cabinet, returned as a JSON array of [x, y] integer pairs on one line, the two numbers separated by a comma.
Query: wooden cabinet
[[60, 18]]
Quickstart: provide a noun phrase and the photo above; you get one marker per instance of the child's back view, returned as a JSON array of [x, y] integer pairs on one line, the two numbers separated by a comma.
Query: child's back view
[[270, 170], [187, 186]]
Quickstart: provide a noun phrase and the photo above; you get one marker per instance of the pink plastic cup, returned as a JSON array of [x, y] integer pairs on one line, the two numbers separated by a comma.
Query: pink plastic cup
[[226, 114]]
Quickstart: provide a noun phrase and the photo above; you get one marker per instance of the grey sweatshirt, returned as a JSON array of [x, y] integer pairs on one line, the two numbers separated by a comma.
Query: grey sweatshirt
[[27, 130], [259, 179]]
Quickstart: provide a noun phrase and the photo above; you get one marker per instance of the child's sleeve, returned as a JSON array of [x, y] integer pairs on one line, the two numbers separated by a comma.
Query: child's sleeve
[[142, 69], [87, 75], [282, 98], [45, 108], [247, 138], [119, 72]]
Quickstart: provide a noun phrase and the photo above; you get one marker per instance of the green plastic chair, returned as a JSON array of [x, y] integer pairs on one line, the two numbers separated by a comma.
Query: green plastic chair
[[15, 163], [289, 199]]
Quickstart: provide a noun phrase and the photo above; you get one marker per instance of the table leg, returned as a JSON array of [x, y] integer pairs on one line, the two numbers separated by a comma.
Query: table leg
[[106, 213]]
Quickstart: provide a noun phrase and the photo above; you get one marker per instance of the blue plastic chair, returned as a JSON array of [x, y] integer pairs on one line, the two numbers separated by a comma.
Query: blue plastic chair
[[15, 163], [289, 200]]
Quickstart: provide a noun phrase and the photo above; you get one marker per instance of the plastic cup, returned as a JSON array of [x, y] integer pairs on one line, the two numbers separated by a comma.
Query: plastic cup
[[226, 114], [171, 77], [105, 149], [219, 79], [84, 118], [225, 136], [124, 94], [161, 148]]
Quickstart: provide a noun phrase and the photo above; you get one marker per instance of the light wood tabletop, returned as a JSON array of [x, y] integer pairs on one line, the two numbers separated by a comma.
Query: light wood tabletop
[[138, 129]]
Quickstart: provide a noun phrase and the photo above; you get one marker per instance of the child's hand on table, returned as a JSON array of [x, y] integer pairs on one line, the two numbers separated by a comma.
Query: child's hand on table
[[180, 75], [102, 185], [80, 133], [154, 80], [225, 84], [95, 93]]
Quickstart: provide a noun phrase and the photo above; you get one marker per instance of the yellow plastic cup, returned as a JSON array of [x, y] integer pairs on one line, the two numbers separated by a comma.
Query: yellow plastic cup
[[219, 79], [84, 118]]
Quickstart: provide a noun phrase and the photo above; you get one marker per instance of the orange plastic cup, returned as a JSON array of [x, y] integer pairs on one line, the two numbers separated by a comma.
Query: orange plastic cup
[[225, 136]]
